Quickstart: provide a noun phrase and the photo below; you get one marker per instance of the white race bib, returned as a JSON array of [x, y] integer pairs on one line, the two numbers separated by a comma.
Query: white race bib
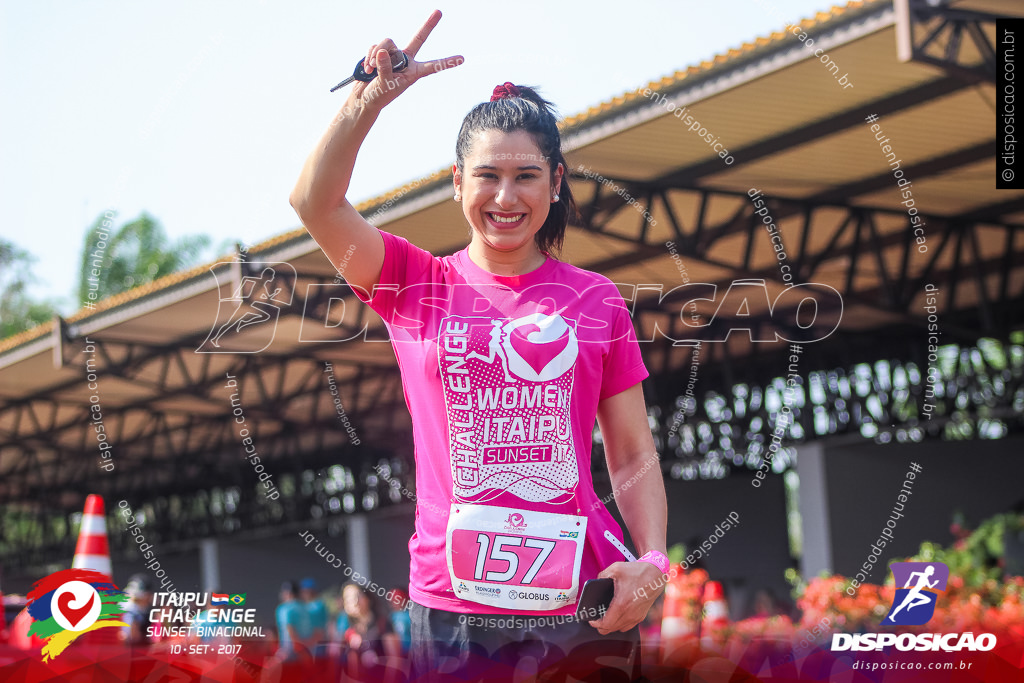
[[514, 559]]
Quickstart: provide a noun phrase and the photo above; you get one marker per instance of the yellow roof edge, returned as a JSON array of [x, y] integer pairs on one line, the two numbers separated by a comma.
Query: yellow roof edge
[[368, 204], [25, 336], [718, 61]]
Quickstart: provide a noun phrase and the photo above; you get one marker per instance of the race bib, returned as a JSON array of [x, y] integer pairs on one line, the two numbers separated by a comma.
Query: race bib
[[514, 559]]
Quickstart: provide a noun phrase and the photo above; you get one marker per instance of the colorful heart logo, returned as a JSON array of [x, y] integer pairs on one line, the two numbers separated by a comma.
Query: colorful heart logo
[[75, 605], [74, 615]]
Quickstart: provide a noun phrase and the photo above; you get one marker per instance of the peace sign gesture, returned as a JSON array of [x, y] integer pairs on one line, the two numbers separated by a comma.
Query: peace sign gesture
[[319, 197], [389, 83]]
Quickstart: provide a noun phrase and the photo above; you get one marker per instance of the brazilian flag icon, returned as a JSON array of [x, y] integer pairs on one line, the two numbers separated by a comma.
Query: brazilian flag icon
[[238, 598]]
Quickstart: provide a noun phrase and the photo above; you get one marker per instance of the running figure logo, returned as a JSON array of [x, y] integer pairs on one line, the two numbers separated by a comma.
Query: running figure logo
[[917, 587], [255, 306]]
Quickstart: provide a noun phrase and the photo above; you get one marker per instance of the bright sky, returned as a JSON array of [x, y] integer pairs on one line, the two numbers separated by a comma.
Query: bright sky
[[202, 113]]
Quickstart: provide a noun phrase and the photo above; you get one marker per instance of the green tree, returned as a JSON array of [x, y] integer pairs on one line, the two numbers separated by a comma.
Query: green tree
[[18, 311], [137, 253]]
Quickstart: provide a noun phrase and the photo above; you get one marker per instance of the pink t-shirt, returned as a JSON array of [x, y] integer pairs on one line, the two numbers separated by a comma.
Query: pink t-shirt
[[502, 376]]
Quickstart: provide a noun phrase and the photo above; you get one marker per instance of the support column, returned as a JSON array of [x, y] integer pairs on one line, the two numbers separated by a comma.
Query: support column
[[814, 510], [209, 565], [358, 539]]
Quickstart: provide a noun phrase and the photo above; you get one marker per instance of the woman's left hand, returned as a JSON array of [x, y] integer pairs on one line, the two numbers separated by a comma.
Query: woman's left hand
[[637, 586]]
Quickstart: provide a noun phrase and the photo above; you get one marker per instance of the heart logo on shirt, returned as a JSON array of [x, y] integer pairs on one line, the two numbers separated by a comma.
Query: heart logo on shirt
[[537, 354], [540, 347]]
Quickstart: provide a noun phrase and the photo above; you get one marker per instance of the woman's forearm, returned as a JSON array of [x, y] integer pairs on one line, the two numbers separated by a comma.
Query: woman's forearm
[[640, 496], [325, 177]]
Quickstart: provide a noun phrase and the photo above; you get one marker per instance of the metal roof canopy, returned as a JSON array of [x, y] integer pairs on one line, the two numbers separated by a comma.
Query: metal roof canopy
[[796, 134]]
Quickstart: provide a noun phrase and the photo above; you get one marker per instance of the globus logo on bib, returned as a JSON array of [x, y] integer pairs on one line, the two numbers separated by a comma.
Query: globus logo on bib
[[521, 595]]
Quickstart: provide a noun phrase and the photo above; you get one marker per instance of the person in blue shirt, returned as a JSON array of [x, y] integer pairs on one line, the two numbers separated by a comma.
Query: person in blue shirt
[[341, 624], [399, 618], [293, 626], [317, 612]]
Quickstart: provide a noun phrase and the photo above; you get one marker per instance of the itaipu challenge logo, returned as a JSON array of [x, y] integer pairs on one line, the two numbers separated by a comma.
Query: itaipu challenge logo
[[70, 603]]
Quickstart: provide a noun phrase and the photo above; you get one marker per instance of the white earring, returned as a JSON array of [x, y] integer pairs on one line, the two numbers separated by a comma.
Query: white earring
[[458, 197], [555, 198]]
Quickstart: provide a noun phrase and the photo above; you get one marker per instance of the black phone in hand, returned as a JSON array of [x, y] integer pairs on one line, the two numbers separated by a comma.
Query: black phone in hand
[[596, 597]]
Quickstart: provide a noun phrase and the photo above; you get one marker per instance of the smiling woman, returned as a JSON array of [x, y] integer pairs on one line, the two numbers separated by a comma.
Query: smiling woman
[[508, 357], [507, 200], [515, 194]]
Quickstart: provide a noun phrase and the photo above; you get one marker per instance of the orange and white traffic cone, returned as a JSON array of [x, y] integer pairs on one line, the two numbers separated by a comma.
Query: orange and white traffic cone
[[680, 618], [674, 622], [715, 615], [18, 635], [93, 551]]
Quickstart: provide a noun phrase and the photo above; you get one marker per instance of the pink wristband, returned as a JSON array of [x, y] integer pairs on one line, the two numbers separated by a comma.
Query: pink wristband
[[659, 560]]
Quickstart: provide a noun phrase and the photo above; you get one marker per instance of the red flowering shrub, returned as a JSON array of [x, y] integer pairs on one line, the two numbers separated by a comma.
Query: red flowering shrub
[[978, 597]]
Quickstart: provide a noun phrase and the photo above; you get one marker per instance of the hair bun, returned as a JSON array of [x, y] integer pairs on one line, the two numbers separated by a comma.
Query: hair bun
[[505, 91]]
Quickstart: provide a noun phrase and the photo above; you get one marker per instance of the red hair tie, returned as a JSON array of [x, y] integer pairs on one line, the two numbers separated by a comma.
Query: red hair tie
[[504, 91]]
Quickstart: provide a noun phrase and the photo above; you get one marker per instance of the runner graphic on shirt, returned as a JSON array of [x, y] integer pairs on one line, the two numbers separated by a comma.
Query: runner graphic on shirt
[[508, 387], [494, 348]]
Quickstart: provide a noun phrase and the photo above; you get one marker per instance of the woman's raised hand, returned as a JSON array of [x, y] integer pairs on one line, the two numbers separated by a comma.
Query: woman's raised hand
[[388, 85], [319, 197]]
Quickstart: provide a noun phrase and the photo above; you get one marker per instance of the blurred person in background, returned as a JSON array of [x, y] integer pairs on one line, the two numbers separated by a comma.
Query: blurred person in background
[[340, 624], [316, 611], [139, 591], [765, 605], [180, 626], [399, 618], [293, 628], [369, 637]]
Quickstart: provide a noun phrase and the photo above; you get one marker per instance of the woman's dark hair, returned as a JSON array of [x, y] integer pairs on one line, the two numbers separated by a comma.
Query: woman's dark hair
[[371, 598], [533, 114]]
